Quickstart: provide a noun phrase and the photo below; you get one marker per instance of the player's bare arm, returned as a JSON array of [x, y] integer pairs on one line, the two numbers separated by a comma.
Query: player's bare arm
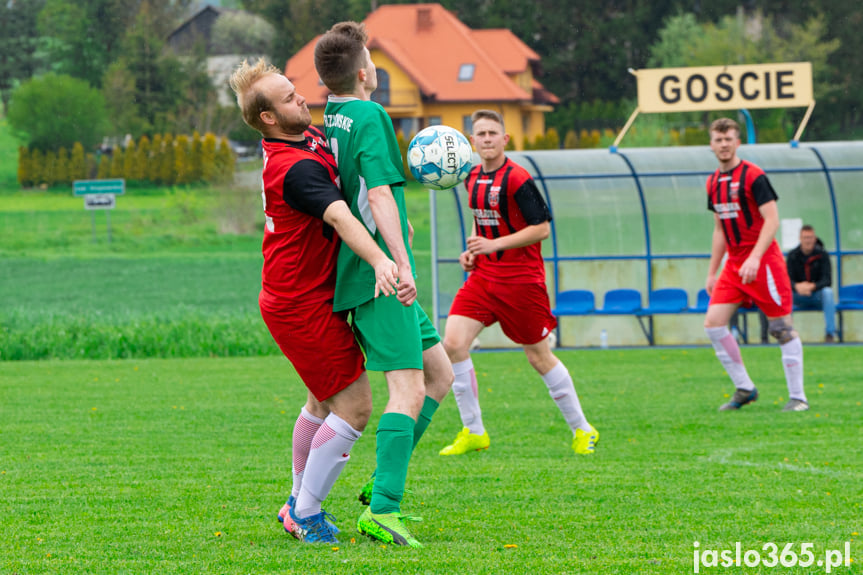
[[410, 235], [717, 250], [530, 235], [770, 213], [386, 215], [357, 237]]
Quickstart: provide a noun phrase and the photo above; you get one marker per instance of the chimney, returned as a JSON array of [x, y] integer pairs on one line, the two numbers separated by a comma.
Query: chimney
[[424, 19]]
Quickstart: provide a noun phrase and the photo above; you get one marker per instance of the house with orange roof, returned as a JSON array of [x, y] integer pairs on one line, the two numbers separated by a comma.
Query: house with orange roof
[[432, 69]]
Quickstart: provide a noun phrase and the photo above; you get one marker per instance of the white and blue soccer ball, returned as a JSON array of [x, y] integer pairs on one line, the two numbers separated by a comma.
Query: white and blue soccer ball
[[439, 157]]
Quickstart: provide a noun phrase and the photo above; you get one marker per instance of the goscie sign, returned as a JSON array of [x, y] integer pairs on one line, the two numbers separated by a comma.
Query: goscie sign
[[725, 87]]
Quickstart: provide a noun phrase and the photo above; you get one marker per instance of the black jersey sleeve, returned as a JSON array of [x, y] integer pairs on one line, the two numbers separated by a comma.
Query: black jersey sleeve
[[309, 189], [531, 204], [762, 191]]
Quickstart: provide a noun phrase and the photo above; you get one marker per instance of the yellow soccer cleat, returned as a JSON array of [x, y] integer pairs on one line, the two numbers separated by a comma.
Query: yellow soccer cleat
[[585, 442], [466, 441], [388, 527]]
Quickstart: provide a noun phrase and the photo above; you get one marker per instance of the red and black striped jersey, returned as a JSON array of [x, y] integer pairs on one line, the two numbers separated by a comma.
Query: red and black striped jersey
[[735, 197], [503, 202], [300, 181]]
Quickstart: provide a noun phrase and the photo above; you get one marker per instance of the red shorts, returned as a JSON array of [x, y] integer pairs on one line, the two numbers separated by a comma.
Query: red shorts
[[771, 290], [523, 310], [318, 342]]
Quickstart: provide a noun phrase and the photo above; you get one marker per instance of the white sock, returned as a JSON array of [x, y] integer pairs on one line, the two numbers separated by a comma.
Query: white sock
[[728, 353], [562, 391], [331, 449], [464, 388], [305, 428], [792, 361]]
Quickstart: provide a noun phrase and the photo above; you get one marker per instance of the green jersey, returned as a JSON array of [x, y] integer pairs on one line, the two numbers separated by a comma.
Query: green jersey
[[362, 139]]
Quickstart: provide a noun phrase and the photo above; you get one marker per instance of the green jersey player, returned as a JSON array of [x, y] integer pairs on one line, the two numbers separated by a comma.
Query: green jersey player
[[399, 340]]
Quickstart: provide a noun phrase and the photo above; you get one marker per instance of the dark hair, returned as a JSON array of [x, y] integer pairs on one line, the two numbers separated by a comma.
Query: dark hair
[[722, 125], [486, 115], [807, 228], [339, 55]]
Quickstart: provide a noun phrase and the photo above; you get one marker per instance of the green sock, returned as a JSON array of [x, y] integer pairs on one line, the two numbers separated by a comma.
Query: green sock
[[394, 447], [426, 413]]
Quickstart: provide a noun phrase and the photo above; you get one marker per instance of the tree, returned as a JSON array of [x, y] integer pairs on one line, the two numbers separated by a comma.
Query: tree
[[166, 163], [182, 160], [208, 157], [61, 167], [18, 45], [142, 162], [154, 165], [242, 33], [25, 168], [77, 163], [51, 111], [116, 169], [146, 76], [130, 157], [752, 39], [299, 21], [82, 38]]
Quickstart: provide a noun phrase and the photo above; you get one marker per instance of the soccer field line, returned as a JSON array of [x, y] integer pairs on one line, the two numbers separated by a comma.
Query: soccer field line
[[726, 457]]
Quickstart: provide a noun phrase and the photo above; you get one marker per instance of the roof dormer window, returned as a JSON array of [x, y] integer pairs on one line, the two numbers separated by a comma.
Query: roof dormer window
[[465, 72]]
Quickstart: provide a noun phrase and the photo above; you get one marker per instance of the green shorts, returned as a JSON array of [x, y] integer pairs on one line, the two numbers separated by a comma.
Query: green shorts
[[393, 336]]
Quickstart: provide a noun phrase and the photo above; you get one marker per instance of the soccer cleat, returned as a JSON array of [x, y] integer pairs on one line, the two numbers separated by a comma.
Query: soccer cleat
[[285, 517], [585, 442], [387, 527], [317, 528], [740, 398], [796, 405], [466, 441], [365, 495]]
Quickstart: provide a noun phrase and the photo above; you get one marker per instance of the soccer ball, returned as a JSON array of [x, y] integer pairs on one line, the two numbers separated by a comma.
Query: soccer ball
[[439, 157]]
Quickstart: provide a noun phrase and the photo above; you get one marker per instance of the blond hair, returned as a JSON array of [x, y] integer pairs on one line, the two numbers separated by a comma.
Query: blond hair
[[252, 101]]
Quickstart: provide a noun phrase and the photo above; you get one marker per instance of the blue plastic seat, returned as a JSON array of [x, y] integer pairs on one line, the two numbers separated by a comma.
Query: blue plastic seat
[[850, 297], [701, 303], [575, 302], [621, 301], [666, 300]]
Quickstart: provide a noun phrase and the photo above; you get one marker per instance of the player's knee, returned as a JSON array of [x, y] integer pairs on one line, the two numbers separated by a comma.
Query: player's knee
[[781, 329], [457, 348]]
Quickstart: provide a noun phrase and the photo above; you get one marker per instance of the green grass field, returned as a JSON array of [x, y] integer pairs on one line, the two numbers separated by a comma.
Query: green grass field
[[179, 466], [182, 271]]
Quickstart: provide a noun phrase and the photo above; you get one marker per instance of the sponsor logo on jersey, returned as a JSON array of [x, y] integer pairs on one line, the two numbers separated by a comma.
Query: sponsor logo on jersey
[[487, 217], [727, 211]]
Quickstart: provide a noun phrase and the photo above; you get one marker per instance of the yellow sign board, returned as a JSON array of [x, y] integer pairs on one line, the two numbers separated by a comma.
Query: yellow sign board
[[725, 87]]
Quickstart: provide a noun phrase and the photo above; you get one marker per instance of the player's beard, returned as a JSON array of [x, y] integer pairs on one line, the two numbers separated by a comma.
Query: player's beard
[[294, 126]]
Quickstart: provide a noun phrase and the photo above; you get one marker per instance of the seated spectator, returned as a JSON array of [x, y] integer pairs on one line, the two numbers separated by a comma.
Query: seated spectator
[[809, 269]]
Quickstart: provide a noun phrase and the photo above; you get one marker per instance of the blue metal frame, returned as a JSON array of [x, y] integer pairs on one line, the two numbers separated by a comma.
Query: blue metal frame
[[648, 256], [835, 213]]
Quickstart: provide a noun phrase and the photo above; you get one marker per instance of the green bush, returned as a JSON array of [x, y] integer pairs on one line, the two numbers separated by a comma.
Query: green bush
[[53, 111]]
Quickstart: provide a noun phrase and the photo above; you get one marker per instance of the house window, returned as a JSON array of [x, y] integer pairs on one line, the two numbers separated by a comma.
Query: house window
[[465, 73], [467, 124], [434, 121], [382, 94]]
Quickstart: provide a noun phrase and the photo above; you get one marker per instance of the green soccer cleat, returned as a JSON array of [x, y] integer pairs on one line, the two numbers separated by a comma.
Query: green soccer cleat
[[387, 527], [365, 495], [585, 442], [466, 441], [740, 398]]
